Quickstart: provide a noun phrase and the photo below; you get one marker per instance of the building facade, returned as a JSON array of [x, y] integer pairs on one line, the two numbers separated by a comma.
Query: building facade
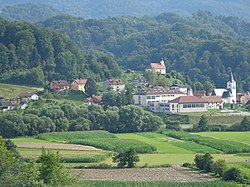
[[116, 85], [157, 67], [79, 84]]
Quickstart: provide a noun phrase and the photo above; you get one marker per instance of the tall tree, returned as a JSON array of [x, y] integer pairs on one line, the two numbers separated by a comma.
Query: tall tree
[[91, 87]]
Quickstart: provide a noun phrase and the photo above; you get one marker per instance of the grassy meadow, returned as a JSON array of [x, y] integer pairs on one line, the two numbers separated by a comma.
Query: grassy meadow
[[12, 91]]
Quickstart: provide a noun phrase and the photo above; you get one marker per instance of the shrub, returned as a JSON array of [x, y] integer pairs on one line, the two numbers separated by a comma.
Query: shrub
[[126, 158], [233, 174], [219, 167], [187, 165], [204, 162]]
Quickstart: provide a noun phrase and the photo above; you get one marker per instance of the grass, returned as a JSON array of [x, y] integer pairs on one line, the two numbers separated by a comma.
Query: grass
[[156, 184], [161, 142], [243, 137], [29, 140], [12, 91], [67, 136], [227, 146]]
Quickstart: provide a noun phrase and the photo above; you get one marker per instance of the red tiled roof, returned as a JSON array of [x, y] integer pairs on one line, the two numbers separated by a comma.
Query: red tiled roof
[[80, 81], [212, 99], [188, 99], [199, 93], [94, 99], [156, 66], [61, 83]]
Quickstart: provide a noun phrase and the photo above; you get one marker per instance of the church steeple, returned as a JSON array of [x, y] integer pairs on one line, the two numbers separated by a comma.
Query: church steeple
[[231, 86], [232, 77]]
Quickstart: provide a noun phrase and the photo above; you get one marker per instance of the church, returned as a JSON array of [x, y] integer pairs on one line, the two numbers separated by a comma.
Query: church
[[228, 95]]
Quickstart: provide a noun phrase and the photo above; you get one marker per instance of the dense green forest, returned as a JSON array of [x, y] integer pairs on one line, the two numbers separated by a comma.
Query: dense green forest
[[202, 47], [29, 12], [105, 8], [31, 55]]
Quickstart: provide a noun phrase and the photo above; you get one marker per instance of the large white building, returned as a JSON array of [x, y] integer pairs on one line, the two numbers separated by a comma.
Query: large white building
[[147, 96]]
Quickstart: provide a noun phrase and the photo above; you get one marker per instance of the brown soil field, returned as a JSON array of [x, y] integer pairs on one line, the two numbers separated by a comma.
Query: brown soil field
[[176, 174], [58, 146]]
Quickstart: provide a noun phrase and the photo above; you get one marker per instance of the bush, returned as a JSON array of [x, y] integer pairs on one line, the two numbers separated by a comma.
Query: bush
[[187, 165], [126, 158], [204, 162], [233, 174], [219, 167]]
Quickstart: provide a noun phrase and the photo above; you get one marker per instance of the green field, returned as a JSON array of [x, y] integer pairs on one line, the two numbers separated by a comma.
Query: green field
[[243, 137], [12, 91]]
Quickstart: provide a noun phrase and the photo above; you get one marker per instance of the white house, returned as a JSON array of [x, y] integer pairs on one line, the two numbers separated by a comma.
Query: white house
[[148, 96], [214, 102], [28, 96], [157, 67], [116, 85], [180, 88]]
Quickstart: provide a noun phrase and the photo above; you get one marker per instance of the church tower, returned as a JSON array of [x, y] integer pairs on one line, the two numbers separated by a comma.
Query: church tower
[[231, 85]]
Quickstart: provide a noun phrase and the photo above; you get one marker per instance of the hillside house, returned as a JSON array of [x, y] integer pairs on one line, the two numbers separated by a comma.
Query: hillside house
[[180, 88], [79, 84], [147, 96], [61, 85], [28, 96], [116, 85], [157, 67], [93, 100], [6, 105]]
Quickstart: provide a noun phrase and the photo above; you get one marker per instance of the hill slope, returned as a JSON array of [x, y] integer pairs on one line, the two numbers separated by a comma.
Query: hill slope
[[29, 12], [30, 55], [105, 8], [202, 47]]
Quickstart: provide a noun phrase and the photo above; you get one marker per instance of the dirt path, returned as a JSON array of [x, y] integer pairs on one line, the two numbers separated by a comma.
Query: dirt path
[[144, 174], [58, 146]]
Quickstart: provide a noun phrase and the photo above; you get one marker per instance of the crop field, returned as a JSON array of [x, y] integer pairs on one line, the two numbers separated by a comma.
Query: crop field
[[157, 184], [243, 137], [115, 144], [67, 136], [12, 91]]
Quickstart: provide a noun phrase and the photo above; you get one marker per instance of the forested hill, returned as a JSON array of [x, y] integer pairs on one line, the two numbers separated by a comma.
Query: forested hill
[[202, 47], [32, 55], [29, 12], [112, 8]]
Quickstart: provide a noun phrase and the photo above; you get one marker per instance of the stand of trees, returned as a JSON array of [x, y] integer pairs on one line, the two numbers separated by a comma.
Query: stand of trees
[[63, 117]]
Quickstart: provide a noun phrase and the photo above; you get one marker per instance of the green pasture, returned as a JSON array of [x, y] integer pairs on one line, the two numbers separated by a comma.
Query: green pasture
[[243, 137], [12, 91], [157, 184]]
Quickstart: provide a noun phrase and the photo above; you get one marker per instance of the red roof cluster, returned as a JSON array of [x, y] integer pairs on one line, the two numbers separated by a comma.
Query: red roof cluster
[[80, 81], [212, 99], [94, 99], [157, 90]]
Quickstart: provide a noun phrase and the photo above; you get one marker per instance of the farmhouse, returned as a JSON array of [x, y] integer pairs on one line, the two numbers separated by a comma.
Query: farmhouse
[[79, 84], [93, 100], [6, 105], [116, 85], [147, 96], [28, 96], [61, 85], [157, 67]]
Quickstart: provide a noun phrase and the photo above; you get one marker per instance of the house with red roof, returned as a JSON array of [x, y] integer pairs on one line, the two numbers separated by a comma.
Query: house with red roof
[[187, 104], [79, 85], [93, 100], [60, 85], [213, 102], [157, 67]]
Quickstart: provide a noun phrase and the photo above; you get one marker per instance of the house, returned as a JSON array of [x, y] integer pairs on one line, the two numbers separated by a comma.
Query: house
[[180, 88], [229, 94], [61, 85], [116, 85], [214, 102], [187, 104], [140, 83], [6, 105], [93, 100], [78, 84], [199, 93], [157, 67], [147, 96], [28, 96], [244, 98]]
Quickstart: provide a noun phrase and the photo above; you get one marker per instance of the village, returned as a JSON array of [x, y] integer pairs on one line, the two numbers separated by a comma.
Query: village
[[178, 98]]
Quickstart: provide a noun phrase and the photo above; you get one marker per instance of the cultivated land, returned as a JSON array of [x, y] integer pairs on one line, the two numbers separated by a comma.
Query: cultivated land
[[12, 91]]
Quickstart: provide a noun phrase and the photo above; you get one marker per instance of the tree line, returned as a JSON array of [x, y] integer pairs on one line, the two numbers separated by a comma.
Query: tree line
[[52, 116]]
